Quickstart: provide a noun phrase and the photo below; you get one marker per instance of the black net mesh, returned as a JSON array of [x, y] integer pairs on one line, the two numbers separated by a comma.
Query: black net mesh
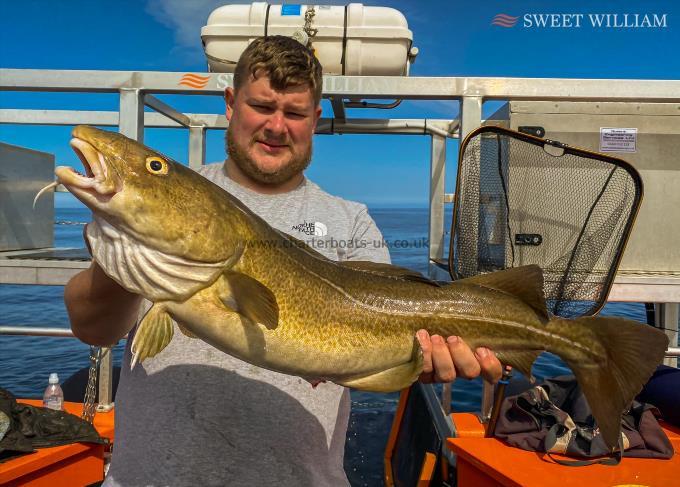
[[520, 201]]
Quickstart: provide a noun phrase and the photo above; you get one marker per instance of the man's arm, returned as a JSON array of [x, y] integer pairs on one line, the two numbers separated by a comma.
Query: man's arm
[[444, 359], [100, 310]]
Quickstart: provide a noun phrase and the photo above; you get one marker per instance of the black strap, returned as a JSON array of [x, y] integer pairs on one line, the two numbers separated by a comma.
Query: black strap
[[266, 20], [551, 439], [344, 41], [613, 460]]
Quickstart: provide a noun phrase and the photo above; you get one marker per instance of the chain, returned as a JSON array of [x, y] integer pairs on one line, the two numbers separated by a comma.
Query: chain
[[89, 405], [305, 35], [309, 17]]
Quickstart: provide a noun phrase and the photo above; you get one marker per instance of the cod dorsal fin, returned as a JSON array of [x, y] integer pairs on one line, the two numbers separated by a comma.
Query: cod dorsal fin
[[388, 270], [525, 283]]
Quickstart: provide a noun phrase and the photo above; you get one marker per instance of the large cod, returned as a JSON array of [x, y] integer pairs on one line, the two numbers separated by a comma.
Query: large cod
[[225, 276]]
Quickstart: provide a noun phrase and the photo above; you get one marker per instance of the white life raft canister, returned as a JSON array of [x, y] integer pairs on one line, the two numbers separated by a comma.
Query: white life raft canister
[[351, 40]]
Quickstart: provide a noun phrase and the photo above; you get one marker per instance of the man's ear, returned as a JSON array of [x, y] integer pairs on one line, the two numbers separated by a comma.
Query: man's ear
[[229, 102], [317, 115]]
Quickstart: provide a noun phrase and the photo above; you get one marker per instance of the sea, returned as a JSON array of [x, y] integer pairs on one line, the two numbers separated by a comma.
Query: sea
[[26, 362]]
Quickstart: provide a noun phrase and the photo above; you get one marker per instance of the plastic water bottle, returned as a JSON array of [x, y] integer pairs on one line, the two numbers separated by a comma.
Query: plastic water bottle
[[54, 396]]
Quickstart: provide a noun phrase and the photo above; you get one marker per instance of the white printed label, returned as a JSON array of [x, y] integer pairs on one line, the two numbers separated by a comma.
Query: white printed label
[[618, 140], [54, 402]]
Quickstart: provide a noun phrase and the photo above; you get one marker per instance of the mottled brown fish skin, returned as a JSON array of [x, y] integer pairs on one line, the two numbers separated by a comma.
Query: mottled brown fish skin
[[354, 322], [280, 305]]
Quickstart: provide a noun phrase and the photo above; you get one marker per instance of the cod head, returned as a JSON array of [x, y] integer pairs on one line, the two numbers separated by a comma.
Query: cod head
[[149, 208], [147, 195]]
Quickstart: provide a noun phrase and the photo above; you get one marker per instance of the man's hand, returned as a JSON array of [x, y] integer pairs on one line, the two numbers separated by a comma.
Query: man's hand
[[446, 359]]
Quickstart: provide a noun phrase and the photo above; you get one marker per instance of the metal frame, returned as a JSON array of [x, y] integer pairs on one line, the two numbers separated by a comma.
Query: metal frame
[[373, 87], [136, 89]]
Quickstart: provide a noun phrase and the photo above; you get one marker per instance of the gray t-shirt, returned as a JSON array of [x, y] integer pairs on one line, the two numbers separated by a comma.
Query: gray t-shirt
[[193, 415]]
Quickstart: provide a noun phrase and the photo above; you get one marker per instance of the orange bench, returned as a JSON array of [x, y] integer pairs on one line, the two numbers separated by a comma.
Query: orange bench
[[486, 462], [68, 465]]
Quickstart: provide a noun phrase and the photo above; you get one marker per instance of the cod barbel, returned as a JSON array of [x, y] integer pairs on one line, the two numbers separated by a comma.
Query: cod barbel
[[225, 276]]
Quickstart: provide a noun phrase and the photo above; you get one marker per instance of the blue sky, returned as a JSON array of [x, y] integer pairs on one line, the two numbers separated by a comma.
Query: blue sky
[[455, 38]]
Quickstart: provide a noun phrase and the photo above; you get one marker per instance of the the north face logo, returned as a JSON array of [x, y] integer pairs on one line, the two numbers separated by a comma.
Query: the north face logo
[[317, 229], [320, 230]]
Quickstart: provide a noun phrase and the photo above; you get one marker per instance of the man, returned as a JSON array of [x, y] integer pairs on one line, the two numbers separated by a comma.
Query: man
[[195, 416]]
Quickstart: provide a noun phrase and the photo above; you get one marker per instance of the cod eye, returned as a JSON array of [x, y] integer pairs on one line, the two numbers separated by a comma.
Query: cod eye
[[156, 165]]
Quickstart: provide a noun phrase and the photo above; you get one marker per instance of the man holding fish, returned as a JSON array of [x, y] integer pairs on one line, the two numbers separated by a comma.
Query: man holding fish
[[192, 415]]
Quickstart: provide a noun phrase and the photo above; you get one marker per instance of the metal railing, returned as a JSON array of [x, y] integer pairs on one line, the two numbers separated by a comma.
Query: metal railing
[[136, 90], [105, 379], [38, 331]]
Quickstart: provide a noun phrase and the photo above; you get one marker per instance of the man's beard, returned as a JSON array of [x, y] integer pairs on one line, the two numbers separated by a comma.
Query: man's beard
[[239, 155]]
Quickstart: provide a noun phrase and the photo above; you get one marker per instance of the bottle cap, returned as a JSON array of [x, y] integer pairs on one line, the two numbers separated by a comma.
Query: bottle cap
[[54, 378]]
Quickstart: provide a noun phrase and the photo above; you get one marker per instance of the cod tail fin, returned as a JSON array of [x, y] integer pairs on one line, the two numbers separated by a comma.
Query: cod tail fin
[[624, 355]]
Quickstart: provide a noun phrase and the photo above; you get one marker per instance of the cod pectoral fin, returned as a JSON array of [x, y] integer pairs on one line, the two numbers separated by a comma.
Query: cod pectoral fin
[[153, 334], [251, 298]]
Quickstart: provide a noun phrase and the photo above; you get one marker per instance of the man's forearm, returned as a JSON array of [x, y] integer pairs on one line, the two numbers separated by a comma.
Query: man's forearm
[[100, 310]]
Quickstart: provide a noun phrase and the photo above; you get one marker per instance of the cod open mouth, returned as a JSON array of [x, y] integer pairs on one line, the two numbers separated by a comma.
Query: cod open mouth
[[95, 182], [93, 162]]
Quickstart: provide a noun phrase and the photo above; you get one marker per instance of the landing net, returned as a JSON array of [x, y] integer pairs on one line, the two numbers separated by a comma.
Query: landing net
[[524, 200]]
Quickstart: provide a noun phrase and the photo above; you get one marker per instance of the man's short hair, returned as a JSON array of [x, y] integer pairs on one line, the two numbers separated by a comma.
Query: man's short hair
[[284, 61]]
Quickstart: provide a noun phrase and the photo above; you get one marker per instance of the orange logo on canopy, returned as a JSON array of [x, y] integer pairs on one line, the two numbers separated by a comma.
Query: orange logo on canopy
[[194, 80]]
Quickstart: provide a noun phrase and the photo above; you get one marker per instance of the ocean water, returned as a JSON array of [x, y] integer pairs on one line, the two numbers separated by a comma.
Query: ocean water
[[26, 362]]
